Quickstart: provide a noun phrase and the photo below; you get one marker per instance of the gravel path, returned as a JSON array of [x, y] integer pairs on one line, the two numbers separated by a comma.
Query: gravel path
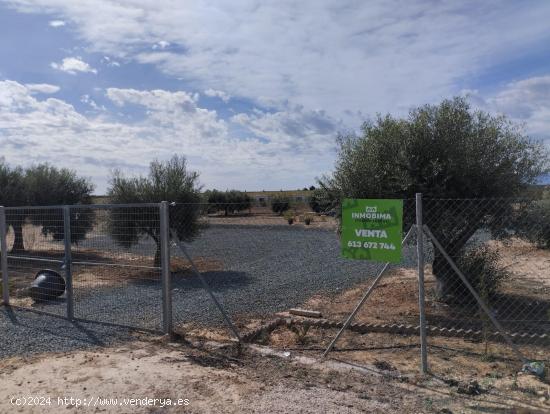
[[266, 270], [25, 332]]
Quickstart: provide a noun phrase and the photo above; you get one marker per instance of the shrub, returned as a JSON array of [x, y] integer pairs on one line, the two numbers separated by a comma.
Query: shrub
[[481, 266], [289, 217], [228, 201], [533, 223], [319, 202], [308, 220], [280, 204]]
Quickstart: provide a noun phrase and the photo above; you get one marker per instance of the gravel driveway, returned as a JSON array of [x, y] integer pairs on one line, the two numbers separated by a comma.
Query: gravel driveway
[[265, 270]]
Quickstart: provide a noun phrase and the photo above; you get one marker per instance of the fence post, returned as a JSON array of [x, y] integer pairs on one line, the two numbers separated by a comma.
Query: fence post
[[68, 260], [421, 293], [165, 268], [4, 257]]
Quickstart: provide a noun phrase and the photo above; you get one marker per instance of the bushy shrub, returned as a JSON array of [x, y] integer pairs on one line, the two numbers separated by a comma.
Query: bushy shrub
[[481, 266], [289, 216], [228, 201], [533, 223], [280, 204], [319, 202]]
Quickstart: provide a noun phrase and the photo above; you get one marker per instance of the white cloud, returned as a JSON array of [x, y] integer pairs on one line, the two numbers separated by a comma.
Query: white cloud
[[56, 23], [273, 148], [73, 65], [89, 101], [525, 101], [219, 94], [318, 65], [341, 57], [163, 44], [109, 62], [42, 88]]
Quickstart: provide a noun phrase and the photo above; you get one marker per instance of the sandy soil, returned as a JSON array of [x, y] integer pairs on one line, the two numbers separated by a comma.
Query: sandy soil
[[210, 382], [265, 217], [220, 382]]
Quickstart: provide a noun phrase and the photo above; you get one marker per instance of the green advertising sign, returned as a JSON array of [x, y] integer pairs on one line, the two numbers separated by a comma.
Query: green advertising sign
[[372, 229]]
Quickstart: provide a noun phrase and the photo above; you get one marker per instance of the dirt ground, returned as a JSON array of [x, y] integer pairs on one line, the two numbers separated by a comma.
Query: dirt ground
[[263, 216], [204, 380], [455, 362]]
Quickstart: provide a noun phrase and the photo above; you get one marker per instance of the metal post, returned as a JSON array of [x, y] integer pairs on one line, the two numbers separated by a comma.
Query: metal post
[[362, 301], [4, 257], [165, 268], [68, 261], [421, 292], [476, 296]]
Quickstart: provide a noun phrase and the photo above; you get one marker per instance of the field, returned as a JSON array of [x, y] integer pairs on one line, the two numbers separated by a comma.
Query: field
[[259, 267]]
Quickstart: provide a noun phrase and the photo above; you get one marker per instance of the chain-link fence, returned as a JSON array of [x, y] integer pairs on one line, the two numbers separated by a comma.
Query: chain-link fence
[[256, 262], [93, 262], [501, 248], [233, 268], [486, 286]]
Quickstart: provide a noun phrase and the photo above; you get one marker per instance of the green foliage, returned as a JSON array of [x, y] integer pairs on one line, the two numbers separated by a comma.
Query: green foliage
[[319, 202], [289, 216], [280, 204], [444, 151], [44, 185], [167, 181], [48, 185], [481, 265], [12, 186], [228, 201], [532, 223]]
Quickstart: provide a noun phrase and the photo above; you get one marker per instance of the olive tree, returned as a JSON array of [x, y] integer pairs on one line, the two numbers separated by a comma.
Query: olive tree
[[280, 204], [166, 181], [44, 185], [445, 151], [227, 201], [12, 193], [47, 185]]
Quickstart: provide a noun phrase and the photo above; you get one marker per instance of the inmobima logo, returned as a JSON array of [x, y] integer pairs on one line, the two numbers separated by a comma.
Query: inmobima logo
[[371, 213]]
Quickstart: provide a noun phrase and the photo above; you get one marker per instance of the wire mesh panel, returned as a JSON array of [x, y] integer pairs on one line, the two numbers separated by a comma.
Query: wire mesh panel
[[35, 258], [116, 265], [501, 246], [258, 263]]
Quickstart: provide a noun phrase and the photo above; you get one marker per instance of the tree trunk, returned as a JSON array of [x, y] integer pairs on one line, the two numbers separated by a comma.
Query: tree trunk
[[448, 284], [18, 245], [157, 256]]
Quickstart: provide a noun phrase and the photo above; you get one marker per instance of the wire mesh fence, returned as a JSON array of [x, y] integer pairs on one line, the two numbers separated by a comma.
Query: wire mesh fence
[[500, 247], [107, 270], [257, 263], [249, 264], [35, 243]]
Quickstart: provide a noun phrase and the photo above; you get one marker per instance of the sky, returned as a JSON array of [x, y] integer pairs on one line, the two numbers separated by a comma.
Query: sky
[[255, 92]]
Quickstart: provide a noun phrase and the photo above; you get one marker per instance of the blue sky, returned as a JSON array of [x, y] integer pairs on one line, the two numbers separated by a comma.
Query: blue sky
[[252, 92]]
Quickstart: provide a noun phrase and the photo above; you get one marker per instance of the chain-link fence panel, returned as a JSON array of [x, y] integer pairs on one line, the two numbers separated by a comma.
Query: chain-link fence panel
[[261, 263], [116, 267], [501, 247], [93, 262], [35, 258]]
